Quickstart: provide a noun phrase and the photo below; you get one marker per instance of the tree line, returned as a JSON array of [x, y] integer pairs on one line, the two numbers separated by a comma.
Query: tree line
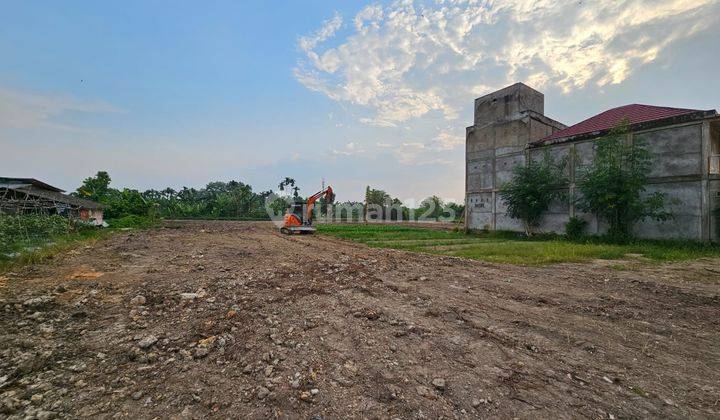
[[237, 200], [232, 199], [380, 205]]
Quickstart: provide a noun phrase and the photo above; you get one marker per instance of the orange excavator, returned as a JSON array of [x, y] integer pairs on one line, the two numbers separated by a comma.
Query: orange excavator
[[297, 222]]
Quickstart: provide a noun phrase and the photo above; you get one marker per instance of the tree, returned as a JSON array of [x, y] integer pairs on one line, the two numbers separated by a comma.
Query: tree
[[125, 203], [95, 188], [379, 205], [531, 190], [432, 208], [613, 186], [289, 182], [458, 209], [377, 197]]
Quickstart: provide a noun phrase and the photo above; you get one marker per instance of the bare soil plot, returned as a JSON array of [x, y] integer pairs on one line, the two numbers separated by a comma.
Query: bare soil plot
[[234, 320]]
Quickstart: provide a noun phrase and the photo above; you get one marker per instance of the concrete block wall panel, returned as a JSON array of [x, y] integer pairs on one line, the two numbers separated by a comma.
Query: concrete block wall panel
[[681, 227], [714, 190], [561, 206], [478, 140], [584, 155], [480, 203], [676, 151], [473, 182], [480, 221], [479, 211], [482, 154], [514, 133], [539, 130], [554, 223], [504, 167], [681, 197], [684, 201], [480, 174], [558, 154], [505, 222], [501, 151]]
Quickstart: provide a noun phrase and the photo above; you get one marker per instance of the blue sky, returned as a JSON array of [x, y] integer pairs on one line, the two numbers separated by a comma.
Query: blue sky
[[163, 93]]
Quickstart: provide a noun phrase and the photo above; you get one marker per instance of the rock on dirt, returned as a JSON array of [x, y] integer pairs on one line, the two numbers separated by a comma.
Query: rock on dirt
[[147, 341], [138, 300], [38, 302], [262, 393]]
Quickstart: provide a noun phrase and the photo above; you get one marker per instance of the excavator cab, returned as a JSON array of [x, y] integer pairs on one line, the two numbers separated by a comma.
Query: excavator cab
[[296, 209]]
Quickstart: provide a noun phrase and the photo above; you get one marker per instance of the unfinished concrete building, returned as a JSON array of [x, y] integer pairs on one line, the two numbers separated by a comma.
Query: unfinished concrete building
[[510, 127]]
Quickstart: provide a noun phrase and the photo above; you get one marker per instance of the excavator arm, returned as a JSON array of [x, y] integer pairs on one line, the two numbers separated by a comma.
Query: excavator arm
[[327, 193]]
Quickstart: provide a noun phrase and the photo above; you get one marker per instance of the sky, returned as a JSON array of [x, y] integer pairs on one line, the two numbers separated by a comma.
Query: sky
[[167, 93]]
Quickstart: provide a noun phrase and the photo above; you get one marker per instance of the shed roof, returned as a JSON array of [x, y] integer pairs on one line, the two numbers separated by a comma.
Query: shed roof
[[29, 181], [53, 196], [634, 114]]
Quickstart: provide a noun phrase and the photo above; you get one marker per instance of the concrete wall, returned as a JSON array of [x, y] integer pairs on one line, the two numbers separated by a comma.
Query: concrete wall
[[714, 189], [498, 141], [676, 172], [505, 122]]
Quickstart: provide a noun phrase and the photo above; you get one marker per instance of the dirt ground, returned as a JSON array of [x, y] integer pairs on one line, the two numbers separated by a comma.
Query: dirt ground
[[234, 320]]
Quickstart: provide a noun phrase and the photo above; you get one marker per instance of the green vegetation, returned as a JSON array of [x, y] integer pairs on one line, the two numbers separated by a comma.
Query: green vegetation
[[575, 228], [18, 232], [533, 187], [31, 238], [513, 247], [132, 222], [613, 186], [217, 200], [382, 206]]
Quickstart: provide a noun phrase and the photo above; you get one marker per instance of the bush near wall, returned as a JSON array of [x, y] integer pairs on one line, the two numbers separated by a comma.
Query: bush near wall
[[23, 230]]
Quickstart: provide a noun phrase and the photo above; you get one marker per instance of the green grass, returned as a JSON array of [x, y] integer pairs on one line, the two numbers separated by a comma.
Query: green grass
[[513, 248]]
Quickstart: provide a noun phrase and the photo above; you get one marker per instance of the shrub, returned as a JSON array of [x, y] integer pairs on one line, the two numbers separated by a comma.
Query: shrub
[[575, 228], [25, 229], [132, 221], [533, 187]]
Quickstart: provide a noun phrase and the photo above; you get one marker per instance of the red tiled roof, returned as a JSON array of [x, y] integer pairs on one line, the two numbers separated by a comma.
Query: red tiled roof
[[635, 113]]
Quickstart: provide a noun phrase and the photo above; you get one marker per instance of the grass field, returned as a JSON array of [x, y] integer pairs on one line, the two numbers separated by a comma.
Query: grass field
[[513, 248]]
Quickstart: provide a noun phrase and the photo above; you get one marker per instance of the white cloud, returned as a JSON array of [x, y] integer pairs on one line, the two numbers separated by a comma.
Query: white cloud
[[371, 14], [377, 122], [350, 149], [328, 29], [410, 60], [27, 110], [448, 139]]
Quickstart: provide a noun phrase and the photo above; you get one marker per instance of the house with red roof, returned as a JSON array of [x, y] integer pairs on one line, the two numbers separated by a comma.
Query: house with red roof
[[510, 127]]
